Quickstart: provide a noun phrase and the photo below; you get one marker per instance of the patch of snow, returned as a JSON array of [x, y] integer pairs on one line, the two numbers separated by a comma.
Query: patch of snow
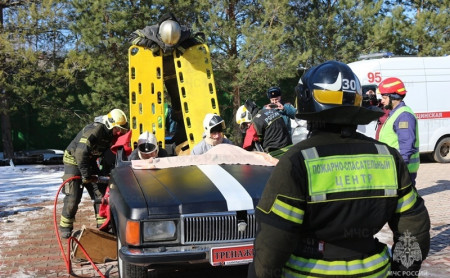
[[25, 185]]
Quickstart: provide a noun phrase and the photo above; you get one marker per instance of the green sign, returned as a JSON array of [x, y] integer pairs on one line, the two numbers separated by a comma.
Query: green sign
[[351, 173]]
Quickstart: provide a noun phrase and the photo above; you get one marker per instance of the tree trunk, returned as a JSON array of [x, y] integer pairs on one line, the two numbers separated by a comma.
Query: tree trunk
[[8, 149]]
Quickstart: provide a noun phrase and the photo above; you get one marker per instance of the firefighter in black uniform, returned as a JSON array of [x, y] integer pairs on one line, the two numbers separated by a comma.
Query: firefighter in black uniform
[[331, 193], [265, 129], [80, 159]]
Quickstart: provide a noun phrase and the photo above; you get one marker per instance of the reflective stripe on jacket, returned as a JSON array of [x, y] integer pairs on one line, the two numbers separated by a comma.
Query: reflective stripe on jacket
[[89, 144], [374, 266]]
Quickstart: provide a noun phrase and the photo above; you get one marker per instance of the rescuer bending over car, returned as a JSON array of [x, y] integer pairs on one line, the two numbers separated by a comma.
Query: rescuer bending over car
[[80, 159], [169, 35], [331, 193], [263, 130]]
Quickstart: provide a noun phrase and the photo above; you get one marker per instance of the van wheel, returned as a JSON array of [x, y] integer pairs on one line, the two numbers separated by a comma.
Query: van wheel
[[442, 152]]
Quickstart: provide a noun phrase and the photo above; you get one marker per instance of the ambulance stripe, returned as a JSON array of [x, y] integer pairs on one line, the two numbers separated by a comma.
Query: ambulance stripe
[[433, 115], [234, 193]]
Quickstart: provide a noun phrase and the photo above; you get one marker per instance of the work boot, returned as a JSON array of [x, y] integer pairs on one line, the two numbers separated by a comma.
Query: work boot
[[65, 232]]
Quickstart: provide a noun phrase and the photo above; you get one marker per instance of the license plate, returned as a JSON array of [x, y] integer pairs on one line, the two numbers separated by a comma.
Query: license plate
[[231, 255]]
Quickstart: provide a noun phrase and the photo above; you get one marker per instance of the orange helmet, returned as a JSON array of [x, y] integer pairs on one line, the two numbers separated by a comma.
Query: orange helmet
[[392, 85]]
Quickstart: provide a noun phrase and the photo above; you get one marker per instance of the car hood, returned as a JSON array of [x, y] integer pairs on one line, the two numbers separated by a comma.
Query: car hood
[[198, 189]]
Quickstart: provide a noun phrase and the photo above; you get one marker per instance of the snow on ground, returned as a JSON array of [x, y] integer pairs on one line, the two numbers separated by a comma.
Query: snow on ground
[[24, 185]]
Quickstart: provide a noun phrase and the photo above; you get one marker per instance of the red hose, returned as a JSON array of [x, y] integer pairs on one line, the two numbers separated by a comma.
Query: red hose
[[67, 259]]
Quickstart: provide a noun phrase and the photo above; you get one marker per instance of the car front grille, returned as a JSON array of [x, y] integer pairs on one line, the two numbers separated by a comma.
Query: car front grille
[[213, 228]]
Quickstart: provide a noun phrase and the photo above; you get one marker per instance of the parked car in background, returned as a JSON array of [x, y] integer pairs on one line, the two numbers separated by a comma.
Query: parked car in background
[[51, 156], [44, 156]]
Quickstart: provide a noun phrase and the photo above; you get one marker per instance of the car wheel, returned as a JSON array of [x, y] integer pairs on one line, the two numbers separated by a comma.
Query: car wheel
[[127, 270], [442, 151]]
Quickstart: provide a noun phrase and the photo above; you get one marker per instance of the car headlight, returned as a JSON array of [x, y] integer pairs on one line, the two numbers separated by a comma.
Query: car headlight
[[159, 230]]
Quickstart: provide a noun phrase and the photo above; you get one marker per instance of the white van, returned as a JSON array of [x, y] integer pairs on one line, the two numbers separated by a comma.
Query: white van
[[427, 82]]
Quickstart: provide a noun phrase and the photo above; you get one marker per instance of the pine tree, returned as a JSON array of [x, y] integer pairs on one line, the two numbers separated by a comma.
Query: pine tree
[[65, 62], [252, 48], [31, 50]]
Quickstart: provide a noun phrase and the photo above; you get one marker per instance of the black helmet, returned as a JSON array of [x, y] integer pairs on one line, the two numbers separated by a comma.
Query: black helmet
[[273, 92], [251, 107], [331, 93]]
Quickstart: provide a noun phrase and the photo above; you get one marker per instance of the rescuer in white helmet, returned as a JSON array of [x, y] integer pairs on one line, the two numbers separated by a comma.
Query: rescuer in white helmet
[[147, 148], [167, 35], [214, 127]]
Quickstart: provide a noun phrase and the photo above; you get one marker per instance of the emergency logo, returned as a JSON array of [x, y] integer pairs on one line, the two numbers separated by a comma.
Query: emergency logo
[[407, 251]]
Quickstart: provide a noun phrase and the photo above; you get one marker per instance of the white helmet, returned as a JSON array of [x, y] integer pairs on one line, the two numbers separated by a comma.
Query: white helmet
[[116, 118], [170, 32], [147, 143], [243, 115], [213, 121]]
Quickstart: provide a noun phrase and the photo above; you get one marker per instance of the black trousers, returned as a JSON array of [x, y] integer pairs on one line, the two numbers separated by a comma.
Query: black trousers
[[73, 191]]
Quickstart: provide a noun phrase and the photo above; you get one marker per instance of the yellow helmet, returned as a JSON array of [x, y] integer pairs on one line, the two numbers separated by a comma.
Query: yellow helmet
[[243, 115], [116, 118]]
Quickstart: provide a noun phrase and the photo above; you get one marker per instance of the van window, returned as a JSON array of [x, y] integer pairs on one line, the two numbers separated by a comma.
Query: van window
[[368, 88], [369, 100]]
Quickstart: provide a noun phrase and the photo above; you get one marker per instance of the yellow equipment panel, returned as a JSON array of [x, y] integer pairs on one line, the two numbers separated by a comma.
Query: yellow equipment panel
[[146, 94], [195, 84], [197, 89]]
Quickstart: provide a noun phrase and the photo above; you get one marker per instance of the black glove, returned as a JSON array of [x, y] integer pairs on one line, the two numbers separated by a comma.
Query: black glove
[[90, 179]]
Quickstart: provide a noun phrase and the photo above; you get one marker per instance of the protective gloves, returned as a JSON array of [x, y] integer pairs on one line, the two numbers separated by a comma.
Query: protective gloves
[[91, 179]]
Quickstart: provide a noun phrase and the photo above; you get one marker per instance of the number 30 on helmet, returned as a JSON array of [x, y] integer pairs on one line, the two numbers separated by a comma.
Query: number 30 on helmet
[[331, 93]]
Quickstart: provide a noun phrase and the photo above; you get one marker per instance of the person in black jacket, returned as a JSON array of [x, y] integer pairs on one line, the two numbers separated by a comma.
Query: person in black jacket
[[286, 110], [265, 130], [81, 158], [331, 193]]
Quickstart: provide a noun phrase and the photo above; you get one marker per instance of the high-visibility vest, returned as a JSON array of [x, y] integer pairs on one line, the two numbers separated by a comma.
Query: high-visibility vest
[[388, 136]]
